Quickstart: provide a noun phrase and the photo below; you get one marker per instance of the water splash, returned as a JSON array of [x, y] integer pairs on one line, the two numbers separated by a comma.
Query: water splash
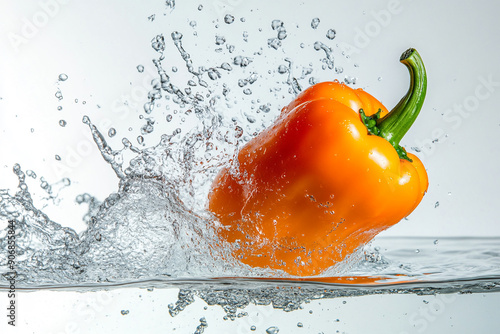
[[154, 230]]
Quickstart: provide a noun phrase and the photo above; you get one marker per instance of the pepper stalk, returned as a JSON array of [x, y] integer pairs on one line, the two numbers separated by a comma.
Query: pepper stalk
[[398, 121]]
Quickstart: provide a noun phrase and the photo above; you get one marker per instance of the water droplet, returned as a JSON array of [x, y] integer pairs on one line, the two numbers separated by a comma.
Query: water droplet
[[125, 312], [63, 77], [242, 61], [174, 69], [111, 132], [229, 18], [331, 33], [169, 118], [436, 242], [242, 19], [315, 23], [238, 132], [350, 80], [226, 66], [219, 40], [282, 69], [282, 34], [200, 7], [62, 123], [247, 91], [274, 43], [436, 204], [32, 130], [140, 140], [253, 328], [275, 24], [140, 68], [192, 24], [58, 158], [273, 330], [151, 17], [300, 325], [158, 43], [417, 250], [31, 173], [59, 95]]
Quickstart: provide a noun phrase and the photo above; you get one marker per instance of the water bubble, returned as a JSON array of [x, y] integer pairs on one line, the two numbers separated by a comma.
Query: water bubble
[[219, 40], [200, 7], [192, 24], [111, 132], [247, 91], [253, 328], [242, 19], [174, 69], [32, 130], [315, 23], [229, 18], [66, 181], [62, 123], [300, 325], [436, 242], [331, 33], [63, 77], [58, 158], [230, 48], [436, 204], [125, 312], [140, 140], [140, 68], [417, 250], [273, 330]]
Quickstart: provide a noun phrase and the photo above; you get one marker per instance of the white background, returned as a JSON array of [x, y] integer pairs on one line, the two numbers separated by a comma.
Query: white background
[[98, 45]]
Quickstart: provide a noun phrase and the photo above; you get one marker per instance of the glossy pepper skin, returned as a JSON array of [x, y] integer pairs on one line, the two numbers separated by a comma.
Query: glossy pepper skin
[[315, 186]]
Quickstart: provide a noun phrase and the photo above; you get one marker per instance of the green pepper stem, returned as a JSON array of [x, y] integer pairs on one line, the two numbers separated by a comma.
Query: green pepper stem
[[397, 122]]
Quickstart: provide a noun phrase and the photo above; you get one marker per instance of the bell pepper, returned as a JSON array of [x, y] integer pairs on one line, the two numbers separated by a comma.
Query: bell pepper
[[323, 180]]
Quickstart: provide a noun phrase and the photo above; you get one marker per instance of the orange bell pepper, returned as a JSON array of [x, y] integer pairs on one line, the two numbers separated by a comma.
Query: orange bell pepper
[[326, 178]]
